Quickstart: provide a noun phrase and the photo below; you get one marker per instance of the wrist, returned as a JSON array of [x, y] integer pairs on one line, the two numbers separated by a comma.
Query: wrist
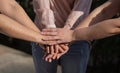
[[67, 26], [72, 34], [47, 19], [38, 39]]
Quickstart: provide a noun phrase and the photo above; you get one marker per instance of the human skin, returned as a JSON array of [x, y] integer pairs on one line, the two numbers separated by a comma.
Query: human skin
[[14, 29], [13, 14], [16, 23], [95, 27], [13, 10], [46, 16], [77, 13], [99, 22], [74, 15]]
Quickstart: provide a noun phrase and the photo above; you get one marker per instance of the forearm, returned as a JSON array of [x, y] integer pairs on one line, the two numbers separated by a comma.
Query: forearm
[[12, 28], [72, 18], [44, 13], [47, 19], [13, 10], [101, 13], [100, 30], [79, 12]]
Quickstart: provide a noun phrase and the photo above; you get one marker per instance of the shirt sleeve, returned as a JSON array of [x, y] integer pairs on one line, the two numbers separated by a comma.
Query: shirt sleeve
[[80, 10], [44, 13]]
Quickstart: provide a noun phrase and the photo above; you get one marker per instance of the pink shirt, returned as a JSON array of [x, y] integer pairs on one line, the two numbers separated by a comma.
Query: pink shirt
[[62, 12]]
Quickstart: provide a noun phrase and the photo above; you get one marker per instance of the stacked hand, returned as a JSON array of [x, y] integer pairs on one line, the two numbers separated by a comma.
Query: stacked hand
[[53, 52], [58, 35], [57, 39]]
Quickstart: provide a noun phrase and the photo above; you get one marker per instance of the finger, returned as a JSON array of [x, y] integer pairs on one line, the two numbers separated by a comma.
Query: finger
[[53, 33], [54, 56], [50, 30], [58, 56], [60, 49], [52, 43], [55, 52], [50, 38], [49, 42], [59, 41], [48, 57], [50, 60], [47, 49], [56, 48], [51, 49], [64, 46]]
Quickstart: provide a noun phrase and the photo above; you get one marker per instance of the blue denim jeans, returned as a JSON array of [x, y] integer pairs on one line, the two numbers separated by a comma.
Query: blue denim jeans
[[74, 61]]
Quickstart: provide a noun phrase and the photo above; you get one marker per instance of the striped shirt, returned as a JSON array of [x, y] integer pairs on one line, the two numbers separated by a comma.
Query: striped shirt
[[62, 12]]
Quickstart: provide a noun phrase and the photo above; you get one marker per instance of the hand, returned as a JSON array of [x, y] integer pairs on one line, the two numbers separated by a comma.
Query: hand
[[46, 42], [58, 35], [59, 50]]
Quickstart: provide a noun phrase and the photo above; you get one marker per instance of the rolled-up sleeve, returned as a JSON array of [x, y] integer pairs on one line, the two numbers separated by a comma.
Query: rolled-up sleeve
[[79, 12], [44, 13]]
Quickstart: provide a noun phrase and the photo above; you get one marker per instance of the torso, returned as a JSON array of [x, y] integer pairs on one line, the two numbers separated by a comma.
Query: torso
[[62, 9]]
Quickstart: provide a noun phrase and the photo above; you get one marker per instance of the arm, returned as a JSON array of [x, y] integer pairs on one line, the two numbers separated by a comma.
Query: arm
[[100, 30], [105, 11], [80, 10], [13, 10], [45, 14], [12, 28]]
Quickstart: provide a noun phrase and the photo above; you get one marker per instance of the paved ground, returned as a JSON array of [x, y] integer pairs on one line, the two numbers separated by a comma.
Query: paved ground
[[14, 61]]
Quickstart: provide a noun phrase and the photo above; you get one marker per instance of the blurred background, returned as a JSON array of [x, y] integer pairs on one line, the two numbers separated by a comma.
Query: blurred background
[[105, 53]]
